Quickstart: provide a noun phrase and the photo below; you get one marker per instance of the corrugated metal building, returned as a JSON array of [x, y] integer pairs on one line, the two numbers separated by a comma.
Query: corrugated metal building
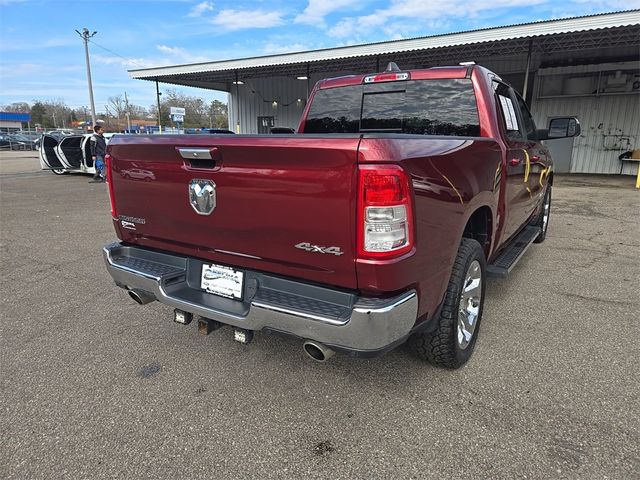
[[583, 66]]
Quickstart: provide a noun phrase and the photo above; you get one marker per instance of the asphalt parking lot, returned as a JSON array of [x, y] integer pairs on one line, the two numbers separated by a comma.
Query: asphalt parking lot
[[94, 386]]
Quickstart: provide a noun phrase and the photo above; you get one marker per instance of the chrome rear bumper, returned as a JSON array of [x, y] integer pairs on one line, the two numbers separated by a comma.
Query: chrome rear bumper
[[336, 318]]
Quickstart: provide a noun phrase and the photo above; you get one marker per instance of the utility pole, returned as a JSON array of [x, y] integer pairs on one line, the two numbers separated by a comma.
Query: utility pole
[[159, 112], [127, 112], [85, 35]]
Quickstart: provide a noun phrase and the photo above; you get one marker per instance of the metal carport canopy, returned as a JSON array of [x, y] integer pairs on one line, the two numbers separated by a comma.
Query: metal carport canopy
[[610, 30]]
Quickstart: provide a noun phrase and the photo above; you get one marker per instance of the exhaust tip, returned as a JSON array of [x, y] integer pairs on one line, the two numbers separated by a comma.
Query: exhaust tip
[[317, 351], [140, 297]]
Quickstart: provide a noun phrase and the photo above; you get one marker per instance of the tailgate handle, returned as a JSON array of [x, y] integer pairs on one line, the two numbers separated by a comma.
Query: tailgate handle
[[200, 157]]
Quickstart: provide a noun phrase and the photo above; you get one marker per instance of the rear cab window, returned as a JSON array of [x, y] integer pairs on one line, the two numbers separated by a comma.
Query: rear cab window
[[423, 107], [510, 121], [517, 121]]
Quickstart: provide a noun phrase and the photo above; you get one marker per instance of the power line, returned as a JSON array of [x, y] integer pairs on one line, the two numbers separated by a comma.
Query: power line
[[116, 54]]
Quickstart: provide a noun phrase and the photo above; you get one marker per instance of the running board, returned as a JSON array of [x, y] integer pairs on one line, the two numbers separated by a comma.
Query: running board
[[505, 262]]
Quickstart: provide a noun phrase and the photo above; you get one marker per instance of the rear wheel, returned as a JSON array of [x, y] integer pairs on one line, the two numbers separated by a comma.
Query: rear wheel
[[452, 341], [542, 220], [59, 171]]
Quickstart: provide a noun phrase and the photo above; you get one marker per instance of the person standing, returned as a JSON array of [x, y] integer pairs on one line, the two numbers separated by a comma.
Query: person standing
[[98, 149]]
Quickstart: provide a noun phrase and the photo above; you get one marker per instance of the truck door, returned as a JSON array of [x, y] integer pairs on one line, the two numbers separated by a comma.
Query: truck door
[[515, 170], [537, 158], [87, 160], [48, 158], [69, 151]]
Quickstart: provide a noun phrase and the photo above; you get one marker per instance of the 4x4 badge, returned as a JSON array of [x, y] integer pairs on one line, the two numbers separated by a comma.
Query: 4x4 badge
[[317, 249]]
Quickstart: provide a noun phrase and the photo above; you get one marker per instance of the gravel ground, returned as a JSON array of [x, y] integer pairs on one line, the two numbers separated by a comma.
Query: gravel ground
[[95, 386]]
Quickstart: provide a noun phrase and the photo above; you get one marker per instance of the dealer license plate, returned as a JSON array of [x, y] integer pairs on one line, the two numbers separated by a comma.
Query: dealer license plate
[[222, 281]]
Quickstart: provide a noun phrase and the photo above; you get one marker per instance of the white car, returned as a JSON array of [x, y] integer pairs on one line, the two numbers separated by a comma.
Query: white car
[[71, 153], [138, 174]]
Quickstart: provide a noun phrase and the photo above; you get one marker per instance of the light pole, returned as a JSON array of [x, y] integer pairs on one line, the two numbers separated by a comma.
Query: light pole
[[85, 35], [159, 111], [128, 112]]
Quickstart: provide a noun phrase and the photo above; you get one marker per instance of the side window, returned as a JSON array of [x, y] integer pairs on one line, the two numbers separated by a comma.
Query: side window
[[510, 118], [527, 119]]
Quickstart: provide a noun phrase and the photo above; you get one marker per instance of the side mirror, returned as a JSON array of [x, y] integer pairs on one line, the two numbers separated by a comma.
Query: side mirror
[[563, 127]]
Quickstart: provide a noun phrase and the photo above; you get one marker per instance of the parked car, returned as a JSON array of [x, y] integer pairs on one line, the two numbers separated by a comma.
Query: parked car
[[377, 224], [282, 130], [29, 144], [61, 132], [31, 135], [217, 131], [8, 142], [138, 174]]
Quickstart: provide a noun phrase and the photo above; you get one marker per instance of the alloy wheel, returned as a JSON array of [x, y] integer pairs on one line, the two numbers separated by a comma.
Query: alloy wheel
[[469, 308]]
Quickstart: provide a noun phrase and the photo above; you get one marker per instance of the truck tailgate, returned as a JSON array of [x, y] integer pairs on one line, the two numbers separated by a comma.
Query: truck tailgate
[[272, 193]]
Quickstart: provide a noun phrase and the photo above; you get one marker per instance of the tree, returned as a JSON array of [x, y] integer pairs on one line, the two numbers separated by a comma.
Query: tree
[[51, 113], [17, 107], [218, 115], [117, 105], [38, 112], [137, 111]]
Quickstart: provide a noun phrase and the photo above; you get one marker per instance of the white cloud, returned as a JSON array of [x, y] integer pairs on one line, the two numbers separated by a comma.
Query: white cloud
[[181, 55], [129, 63], [167, 56], [200, 9], [316, 10], [230, 20], [363, 25], [19, 44], [31, 70], [610, 5], [423, 15], [272, 48]]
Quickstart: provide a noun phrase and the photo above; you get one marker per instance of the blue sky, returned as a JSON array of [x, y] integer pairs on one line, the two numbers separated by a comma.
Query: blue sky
[[41, 56]]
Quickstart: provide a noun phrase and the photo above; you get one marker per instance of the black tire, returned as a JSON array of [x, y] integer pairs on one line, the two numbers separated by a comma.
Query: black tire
[[59, 171], [440, 345], [540, 221]]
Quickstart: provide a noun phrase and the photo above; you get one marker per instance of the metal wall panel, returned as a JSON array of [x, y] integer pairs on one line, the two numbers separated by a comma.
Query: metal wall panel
[[610, 126], [257, 96]]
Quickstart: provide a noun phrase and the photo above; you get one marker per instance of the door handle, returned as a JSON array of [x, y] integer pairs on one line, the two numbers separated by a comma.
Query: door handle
[[514, 162], [198, 153], [201, 157]]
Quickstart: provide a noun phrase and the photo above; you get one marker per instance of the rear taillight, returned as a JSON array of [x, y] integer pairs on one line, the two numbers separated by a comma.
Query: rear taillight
[[112, 200], [385, 216]]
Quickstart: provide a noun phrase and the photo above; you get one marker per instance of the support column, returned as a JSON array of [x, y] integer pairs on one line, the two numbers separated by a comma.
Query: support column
[[526, 74]]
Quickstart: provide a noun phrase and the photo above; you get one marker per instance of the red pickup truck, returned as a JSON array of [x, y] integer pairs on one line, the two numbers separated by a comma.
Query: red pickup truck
[[376, 224]]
